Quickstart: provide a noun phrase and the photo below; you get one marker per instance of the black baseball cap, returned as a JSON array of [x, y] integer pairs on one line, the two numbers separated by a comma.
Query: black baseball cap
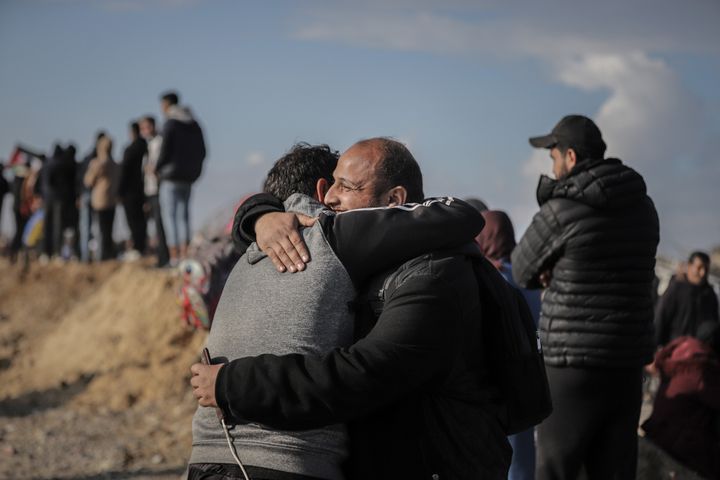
[[575, 131]]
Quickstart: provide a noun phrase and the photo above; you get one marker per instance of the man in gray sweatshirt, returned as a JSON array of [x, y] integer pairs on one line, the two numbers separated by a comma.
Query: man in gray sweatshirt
[[264, 311]]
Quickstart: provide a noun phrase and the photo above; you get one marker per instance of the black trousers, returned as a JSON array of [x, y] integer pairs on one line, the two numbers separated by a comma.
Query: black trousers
[[51, 226], [135, 215], [156, 214], [60, 214], [20, 222], [105, 219], [593, 424]]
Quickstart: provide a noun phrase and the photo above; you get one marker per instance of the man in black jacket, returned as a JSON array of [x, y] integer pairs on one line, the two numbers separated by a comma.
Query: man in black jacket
[[178, 167], [414, 386], [688, 301], [131, 188], [593, 246], [58, 190]]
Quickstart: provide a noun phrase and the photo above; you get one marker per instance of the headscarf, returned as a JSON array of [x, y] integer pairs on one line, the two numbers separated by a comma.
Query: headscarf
[[497, 238]]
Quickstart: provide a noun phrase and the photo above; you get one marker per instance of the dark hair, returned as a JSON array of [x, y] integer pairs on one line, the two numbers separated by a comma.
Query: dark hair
[[581, 153], [397, 167], [100, 134], [135, 127], [150, 119], [58, 150], [299, 170], [171, 97], [71, 150], [704, 257]]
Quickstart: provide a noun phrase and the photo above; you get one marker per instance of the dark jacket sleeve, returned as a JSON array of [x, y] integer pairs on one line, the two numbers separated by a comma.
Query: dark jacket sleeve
[[243, 229], [538, 249], [414, 339], [371, 240]]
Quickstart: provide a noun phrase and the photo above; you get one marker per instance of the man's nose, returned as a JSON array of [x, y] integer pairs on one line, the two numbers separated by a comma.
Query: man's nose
[[331, 199]]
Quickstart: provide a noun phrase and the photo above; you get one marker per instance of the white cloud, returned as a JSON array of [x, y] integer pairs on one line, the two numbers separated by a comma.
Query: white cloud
[[255, 159]]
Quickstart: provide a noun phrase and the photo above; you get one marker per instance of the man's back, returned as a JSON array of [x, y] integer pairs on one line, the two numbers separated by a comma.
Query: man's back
[[598, 231], [450, 423], [183, 147], [263, 311]]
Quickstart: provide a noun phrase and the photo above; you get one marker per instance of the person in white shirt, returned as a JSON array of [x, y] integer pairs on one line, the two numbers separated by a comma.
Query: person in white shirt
[[154, 143]]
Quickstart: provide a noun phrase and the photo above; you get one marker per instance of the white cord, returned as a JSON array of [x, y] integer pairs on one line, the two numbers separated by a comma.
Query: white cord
[[232, 449]]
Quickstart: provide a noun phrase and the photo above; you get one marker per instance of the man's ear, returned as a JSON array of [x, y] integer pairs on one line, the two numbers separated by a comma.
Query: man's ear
[[321, 188], [570, 159], [396, 196]]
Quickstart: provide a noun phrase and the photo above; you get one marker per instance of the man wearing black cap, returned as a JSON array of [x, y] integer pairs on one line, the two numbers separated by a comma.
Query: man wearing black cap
[[592, 245]]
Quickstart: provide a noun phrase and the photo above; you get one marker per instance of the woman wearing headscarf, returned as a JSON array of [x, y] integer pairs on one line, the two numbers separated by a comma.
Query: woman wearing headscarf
[[497, 241]]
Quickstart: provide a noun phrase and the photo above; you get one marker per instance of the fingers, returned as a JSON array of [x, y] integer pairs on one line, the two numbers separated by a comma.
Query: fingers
[[278, 236], [290, 253], [196, 368], [279, 265], [305, 220], [200, 386], [299, 247]]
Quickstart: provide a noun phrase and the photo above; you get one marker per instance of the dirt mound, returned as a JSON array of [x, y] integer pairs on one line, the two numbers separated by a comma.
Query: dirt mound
[[92, 349]]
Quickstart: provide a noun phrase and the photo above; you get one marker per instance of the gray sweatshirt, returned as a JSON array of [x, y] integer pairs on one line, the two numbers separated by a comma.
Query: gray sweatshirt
[[263, 311]]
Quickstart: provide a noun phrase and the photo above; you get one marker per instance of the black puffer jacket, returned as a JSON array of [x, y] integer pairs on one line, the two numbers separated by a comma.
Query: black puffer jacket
[[597, 232]]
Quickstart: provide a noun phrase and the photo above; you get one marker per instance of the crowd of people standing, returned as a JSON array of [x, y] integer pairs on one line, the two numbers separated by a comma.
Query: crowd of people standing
[[57, 199]]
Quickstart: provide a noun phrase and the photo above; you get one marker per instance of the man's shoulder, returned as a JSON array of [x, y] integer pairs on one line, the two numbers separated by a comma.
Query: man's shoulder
[[432, 268]]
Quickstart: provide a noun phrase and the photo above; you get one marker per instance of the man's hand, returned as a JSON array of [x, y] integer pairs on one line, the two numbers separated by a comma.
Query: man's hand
[[279, 237], [545, 278], [203, 383]]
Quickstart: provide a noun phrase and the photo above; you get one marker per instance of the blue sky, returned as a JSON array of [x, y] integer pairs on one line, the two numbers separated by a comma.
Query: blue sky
[[463, 83]]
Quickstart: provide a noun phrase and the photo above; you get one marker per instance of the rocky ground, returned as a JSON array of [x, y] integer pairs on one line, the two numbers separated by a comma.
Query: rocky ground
[[94, 376]]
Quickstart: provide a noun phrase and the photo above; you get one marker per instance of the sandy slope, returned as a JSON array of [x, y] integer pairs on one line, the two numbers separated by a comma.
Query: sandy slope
[[94, 370]]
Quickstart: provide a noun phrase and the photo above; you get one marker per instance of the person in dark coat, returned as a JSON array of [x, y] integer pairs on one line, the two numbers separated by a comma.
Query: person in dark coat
[[178, 166], [592, 244], [688, 301], [131, 188], [58, 192], [496, 242], [685, 420]]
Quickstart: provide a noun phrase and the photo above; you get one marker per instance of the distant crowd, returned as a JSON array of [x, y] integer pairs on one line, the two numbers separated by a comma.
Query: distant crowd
[[65, 208]]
